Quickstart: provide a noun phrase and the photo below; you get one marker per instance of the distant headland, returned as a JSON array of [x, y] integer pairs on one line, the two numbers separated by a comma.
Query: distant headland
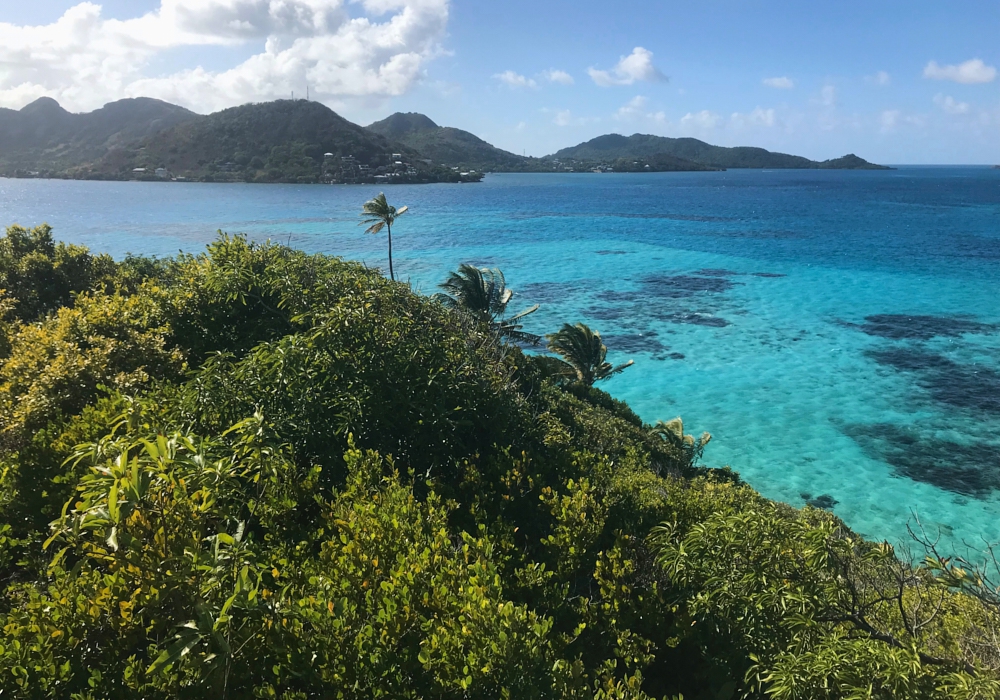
[[298, 141]]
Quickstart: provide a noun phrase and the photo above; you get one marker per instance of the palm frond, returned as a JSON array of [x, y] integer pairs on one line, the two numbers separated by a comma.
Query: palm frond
[[584, 350], [483, 293]]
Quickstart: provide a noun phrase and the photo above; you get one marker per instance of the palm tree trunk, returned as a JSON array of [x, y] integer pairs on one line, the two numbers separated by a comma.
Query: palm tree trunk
[[392, 275]]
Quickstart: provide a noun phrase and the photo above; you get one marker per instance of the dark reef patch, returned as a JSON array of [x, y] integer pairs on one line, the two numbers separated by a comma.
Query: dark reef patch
[[903, 327], [612, 252], [646, 342], [676, 356], [826, 501], [970, 387], [694, 319], [969, 469], [769, 275], [683, 286]]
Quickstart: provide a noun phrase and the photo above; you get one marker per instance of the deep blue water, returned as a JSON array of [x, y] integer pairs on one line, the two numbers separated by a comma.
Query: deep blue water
[[837, 332]]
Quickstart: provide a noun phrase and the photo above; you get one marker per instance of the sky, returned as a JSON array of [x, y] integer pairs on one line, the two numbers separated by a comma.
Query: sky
[[894, 82]]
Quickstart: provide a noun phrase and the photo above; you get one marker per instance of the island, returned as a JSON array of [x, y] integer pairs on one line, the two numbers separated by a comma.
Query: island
[[299, 141]]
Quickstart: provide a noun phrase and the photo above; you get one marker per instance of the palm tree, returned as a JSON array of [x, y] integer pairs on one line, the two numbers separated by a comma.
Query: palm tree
[[483, 293], [672, 433], [584, 352], [378, 214]]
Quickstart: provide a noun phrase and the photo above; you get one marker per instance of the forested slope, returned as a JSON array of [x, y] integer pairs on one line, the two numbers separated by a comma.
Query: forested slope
[[257, 473]]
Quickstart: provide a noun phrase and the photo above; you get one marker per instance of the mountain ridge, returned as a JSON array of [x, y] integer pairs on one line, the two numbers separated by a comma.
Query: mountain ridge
[[445, 145], [303, 141], [612, 146]]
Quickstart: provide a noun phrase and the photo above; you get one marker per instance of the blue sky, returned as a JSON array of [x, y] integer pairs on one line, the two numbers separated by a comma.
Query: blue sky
[[894, 82]]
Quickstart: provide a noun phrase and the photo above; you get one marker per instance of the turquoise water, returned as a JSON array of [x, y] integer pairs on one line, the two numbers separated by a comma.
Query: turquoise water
[[837, 332]]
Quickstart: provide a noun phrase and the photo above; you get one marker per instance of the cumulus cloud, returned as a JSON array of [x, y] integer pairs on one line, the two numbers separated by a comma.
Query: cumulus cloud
[[84, 59], [781, 83], [637, 66], [703, 120], [758, 117], [892, 118], [828, 96], [563, 118], [558, 76], [880, 78], [950, 105], [636, 108], [970, 72], [515, 80]]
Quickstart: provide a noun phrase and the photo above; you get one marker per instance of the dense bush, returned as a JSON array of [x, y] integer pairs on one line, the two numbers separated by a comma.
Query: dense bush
[[258, 473]]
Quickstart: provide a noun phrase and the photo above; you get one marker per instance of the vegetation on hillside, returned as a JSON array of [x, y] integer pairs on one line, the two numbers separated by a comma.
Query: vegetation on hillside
[[45, 140], [256, 473], [289, 141], [446, 145], [612, 147]]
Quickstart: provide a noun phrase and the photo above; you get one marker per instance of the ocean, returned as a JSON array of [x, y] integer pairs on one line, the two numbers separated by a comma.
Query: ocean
[[837, 332]]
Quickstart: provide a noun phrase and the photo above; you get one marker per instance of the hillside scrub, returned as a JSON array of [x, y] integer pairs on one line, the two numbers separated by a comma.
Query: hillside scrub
[[256, 473]]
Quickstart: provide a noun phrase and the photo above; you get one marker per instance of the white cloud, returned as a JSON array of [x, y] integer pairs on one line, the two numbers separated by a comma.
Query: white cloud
[[970, 72], [758, 117], [558, 76], [636, 109], [828, 96], [84, 59], [781, 83], [950, 105], [515, 80], [880, 78], [892, 118], [637, 66], [563, 118], [702, 120]]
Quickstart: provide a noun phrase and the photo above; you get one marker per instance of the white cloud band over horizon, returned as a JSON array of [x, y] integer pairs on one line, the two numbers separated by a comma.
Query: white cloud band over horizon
[[85, 60]]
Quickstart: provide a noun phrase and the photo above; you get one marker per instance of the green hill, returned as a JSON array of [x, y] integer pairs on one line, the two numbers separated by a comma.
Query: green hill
[[281, 141], [44, 137], [257, 473], [611, 147], [302, 141], [445, 145]]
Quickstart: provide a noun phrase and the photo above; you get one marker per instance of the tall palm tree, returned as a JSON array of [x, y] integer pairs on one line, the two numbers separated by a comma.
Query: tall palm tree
[[584, 352], [483, 293], [378, 214]]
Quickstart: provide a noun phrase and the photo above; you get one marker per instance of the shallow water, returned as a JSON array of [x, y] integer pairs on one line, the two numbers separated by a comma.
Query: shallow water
[[837, 332]]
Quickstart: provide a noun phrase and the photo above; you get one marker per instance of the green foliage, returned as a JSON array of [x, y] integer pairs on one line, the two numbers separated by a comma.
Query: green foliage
[[672, 432], [56, 366], [378, 214], [802, 608], [584, 354], [40, 275], [259, 473], [483, 294]]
